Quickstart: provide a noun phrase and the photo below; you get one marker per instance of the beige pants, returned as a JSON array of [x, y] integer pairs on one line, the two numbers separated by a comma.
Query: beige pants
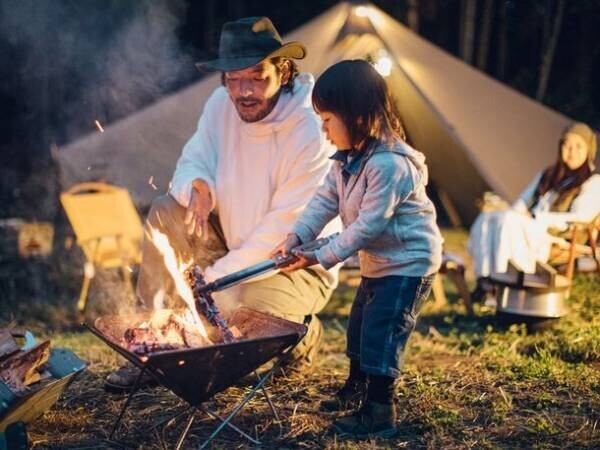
[[288, 295]]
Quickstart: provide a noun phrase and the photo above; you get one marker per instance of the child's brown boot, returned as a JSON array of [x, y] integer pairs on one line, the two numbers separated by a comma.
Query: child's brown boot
[[372, 420], [350, 396]]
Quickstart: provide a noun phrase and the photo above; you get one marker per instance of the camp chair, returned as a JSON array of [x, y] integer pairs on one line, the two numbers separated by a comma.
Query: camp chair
[[107, 227], [565, 251]]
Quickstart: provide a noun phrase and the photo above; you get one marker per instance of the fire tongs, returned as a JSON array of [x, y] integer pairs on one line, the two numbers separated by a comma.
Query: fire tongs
[[202, 290]]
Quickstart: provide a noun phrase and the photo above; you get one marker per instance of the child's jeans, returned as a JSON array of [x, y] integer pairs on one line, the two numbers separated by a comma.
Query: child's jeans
[[383, 316]]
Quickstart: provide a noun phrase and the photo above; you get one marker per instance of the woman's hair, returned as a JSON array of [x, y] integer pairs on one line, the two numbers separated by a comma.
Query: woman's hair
[[354, 91], [279, 62]]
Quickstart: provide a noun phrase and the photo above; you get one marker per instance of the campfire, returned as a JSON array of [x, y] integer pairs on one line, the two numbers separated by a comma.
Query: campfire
[[196, 352], [169, 329], [172, 330], [166, 330]]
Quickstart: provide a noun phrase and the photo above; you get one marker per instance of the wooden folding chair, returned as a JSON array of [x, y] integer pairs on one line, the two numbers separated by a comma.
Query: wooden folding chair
[[107, 227], [581, 240]]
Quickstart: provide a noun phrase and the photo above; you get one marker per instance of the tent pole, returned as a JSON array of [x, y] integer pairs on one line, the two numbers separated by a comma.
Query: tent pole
[[449, 207]]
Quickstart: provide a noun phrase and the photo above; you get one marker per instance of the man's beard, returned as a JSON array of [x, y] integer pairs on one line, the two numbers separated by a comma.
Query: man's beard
[[266, 106]]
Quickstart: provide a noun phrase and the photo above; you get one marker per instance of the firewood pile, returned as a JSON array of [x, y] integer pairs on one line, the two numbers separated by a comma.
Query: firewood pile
[[21, 369]]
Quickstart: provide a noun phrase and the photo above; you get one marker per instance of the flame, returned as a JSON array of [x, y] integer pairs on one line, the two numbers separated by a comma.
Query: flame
[[177, 268]]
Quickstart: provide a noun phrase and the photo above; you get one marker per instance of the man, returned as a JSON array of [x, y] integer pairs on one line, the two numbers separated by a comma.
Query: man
[[255, 160]]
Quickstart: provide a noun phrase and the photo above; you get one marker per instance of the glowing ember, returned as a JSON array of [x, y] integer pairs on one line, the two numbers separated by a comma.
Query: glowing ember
[[166, 330], [99, 126], [176, 269]]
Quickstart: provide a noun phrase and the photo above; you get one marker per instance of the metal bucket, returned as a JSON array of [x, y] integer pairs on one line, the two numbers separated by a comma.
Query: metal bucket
[[543, 303]]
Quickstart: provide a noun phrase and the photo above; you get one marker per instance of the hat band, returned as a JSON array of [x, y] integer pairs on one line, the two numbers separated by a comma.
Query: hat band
[[254, 55]]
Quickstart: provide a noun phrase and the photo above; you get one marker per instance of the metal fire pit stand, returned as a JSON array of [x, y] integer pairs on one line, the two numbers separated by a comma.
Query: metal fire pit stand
[[259, 385], [196, 374]]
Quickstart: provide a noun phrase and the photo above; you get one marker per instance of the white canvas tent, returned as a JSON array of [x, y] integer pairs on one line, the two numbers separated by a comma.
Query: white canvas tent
[[477, 134]]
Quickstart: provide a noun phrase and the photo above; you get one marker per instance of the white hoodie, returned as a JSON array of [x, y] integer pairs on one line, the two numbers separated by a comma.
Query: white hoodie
[[261, 175]]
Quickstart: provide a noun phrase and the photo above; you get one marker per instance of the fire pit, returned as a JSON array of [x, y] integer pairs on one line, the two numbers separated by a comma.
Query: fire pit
[[196, 374], [195, 353]]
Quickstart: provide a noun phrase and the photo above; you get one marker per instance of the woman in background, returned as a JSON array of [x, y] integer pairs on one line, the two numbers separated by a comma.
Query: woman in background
[[569, 190]]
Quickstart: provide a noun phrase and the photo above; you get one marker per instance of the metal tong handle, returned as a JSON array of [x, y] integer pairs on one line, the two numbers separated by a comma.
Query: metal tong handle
[[263, 267], [281, 260]]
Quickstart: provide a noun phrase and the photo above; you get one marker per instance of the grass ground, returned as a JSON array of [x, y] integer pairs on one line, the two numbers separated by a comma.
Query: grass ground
[[467, 383]]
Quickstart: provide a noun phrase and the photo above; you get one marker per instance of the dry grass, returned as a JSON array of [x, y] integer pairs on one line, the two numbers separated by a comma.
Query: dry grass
[[467, 383]]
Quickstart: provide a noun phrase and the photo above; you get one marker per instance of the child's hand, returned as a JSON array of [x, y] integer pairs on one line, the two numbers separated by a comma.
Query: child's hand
[[305, 259], [284, 247]]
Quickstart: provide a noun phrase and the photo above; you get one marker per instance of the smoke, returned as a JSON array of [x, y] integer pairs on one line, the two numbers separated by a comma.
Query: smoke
[[95, 59], [144, 61], [68, 63]]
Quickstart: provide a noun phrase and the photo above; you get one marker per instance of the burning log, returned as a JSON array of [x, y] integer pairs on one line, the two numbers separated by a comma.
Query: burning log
[[23, 368], [169, 330], [166, 330], [145, 340], [206, 304]]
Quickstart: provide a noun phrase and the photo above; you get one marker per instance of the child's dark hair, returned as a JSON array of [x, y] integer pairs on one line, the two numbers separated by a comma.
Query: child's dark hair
[[355, 92]]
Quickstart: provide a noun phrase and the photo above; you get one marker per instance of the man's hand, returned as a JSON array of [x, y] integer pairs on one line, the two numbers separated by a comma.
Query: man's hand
[[196, 216]]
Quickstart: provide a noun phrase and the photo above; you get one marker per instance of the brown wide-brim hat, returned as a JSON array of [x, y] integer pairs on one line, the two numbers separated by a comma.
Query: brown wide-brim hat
[[248, 41]]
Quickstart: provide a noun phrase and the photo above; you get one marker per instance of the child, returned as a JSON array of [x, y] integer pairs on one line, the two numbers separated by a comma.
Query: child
[[377, 186]]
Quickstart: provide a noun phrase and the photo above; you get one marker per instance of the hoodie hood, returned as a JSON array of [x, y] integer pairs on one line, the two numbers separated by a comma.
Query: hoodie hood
[[415, 157], [291, 108]]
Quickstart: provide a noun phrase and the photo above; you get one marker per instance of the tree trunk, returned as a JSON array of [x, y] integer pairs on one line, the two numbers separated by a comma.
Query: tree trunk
[[549, 52], [484, 36], [412, 16], [502, 44], [467, 28], [238, 8], [209, 25]]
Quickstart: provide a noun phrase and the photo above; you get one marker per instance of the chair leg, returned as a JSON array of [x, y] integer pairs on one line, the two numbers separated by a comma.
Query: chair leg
[[88, 274], [458, 277], [594, 247], [438, 291], [126, 273], [572, 255]]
